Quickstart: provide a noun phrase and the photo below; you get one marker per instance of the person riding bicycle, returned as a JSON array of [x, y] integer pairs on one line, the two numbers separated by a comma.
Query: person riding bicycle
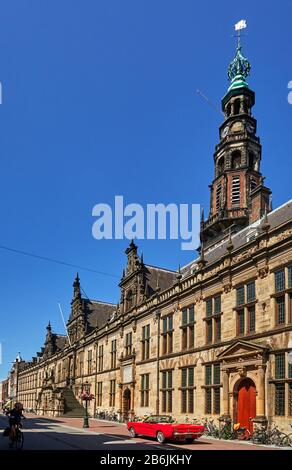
[[15, 415]]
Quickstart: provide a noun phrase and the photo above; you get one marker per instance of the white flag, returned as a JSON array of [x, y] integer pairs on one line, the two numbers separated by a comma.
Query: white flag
[[240, 25]]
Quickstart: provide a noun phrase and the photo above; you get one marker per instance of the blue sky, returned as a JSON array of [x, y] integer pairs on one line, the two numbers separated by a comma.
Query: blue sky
[[99, 99]]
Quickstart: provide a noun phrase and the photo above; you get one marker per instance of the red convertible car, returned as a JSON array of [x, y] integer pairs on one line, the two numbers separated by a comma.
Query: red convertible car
[[163, 428]]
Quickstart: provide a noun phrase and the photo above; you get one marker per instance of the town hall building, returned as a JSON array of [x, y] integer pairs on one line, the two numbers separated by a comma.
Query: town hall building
[[210, 340]]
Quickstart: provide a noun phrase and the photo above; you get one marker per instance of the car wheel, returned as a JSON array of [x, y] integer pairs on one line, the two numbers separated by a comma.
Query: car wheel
[[133, 432], [160, 437], [189, 441]]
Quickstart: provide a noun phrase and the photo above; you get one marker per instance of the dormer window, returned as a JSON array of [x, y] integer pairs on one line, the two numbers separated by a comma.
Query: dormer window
[[251, 235]]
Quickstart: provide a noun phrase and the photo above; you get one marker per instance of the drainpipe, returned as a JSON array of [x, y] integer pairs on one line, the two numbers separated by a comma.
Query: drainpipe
[[158, 314]]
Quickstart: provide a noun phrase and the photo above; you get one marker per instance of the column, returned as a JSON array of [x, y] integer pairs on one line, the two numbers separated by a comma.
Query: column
[[225, 397], [121, 408], [260, 406], [132, 407]]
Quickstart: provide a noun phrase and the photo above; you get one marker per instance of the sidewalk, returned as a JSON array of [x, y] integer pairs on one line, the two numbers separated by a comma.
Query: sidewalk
[[95, 425]]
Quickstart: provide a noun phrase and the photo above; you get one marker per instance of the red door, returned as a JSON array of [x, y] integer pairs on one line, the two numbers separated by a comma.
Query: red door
[[246, 403]]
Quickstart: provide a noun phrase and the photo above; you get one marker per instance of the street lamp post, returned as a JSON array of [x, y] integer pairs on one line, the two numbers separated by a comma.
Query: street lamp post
[[86, 396]]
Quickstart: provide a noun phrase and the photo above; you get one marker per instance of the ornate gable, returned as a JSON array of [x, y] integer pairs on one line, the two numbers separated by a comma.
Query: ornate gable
[[242, 348], [133, 283], [243, 354]]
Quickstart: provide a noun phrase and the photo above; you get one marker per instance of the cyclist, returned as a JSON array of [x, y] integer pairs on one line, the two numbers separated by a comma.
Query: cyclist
[[15, 416]]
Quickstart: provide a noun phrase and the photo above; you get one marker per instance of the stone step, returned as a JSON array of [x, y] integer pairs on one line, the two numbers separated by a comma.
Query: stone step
[[72, 407]]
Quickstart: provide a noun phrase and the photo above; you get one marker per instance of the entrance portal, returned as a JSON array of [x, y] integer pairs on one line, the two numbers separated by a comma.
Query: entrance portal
[[246, 403]]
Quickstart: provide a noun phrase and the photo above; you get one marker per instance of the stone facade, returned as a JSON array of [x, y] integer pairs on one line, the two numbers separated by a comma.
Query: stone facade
[[240, 354], [198, 342]]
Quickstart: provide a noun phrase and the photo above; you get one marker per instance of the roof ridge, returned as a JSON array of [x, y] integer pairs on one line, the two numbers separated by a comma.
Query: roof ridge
[[254, 225], [162, 269], [102, 302]]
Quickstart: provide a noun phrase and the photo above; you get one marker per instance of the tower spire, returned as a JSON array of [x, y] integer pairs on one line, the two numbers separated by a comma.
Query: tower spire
[[239, 68], [238, 196], [76, 287]]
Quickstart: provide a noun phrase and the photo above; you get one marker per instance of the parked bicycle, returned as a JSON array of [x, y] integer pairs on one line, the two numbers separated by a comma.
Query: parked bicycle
[[107, 416], [272, 436], [210, 428], [287, 439]]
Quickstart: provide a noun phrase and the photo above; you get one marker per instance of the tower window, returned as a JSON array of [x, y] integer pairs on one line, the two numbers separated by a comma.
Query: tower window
[[218, 196], [251, 161], [245, 107], [236, 160], [237, 106], [235, 191], [228, 110], [220, 166]]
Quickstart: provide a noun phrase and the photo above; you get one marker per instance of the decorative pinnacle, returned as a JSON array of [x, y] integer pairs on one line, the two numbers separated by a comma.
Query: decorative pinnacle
[[265, 223], [201, 260], [157, 288], [239, 69], [202, 216], [229, 246], [179, 274], [76, 287]]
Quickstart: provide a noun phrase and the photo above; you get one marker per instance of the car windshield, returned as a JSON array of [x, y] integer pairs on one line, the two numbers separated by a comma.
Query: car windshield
[[159, 419]]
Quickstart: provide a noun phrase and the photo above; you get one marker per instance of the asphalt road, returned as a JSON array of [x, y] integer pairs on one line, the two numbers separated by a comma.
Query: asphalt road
[[46, 434]]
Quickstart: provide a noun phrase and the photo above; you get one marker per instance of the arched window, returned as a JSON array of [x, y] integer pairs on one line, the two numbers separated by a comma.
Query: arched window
[[228, 110], [251, 160], [245, 107], [236, 160], [220, 166], [237, 106]]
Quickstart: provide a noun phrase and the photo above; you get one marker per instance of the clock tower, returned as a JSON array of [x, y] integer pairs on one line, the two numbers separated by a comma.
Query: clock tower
[[238, 195]]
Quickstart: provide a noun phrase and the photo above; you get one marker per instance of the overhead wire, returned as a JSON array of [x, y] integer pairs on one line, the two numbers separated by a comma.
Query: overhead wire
[[57, 261]]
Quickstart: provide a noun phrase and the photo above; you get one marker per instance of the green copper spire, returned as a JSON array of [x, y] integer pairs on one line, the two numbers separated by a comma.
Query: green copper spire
[[239, 69]]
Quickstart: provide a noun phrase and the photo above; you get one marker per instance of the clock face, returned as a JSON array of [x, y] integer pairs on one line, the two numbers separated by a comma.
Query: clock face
[[225, 132], [250, 127]]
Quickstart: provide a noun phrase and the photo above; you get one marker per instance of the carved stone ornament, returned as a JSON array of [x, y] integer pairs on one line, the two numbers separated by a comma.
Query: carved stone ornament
[[227, 287], [242, 371], [134, 325], [198, 298], [263, 272]]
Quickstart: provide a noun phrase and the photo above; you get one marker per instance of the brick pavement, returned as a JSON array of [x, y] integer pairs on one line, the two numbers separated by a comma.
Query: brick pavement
[[118, 429]]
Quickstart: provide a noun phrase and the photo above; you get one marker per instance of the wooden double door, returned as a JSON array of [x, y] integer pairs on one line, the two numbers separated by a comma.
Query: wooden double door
[[246, 403]]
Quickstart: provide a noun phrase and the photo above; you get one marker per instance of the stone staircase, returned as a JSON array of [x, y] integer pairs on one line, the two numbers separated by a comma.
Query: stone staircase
[[72, 408]]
